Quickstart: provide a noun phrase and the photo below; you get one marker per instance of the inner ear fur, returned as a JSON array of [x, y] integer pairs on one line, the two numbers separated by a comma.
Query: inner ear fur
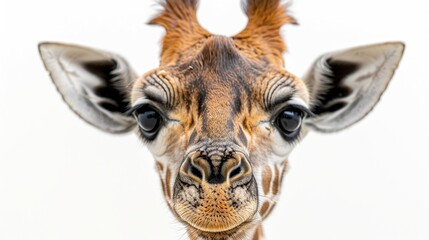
[[346, 85], [95, 84]]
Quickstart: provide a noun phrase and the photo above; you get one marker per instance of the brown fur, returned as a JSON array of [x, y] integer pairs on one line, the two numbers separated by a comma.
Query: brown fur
[[264, 209], [261, 37], [258, 233], [183, 31], [276, 183], [266, 179], [260, 40]]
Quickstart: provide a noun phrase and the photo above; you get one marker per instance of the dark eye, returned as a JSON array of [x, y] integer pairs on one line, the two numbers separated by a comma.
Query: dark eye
[[149, 121], [289, 122]]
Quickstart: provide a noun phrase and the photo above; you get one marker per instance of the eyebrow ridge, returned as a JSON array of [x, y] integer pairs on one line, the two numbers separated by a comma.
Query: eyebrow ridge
[[280, 100]]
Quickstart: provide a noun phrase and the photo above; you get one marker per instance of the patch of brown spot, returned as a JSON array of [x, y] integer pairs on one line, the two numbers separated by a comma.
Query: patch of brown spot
[[266, 179], [270, 210], [159, 166], [258, 233], [167, 183], [264, 209], [276, 183]]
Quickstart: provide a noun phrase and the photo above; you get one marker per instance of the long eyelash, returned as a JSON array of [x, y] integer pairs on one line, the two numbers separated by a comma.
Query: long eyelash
[[130, 111], [295, 140], [143, 138], [304, 109]]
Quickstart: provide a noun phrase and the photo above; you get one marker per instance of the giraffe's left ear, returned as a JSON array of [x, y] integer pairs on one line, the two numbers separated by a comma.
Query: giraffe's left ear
[[345, 86], [94, 83]]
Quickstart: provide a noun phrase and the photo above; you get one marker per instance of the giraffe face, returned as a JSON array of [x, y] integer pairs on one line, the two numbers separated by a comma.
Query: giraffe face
[[221, 114], [221, 127]]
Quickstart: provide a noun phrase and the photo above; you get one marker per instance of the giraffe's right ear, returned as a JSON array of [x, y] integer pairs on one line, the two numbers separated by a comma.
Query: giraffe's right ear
[[95, 84], [345, 85]]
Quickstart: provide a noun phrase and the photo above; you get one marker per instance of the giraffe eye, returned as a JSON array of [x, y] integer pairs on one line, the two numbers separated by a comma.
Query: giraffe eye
[[149, 121], [289, 122]]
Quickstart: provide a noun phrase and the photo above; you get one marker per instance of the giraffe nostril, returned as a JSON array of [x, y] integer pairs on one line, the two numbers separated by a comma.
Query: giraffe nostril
[[234, 172], [196, 172], [233, 168]]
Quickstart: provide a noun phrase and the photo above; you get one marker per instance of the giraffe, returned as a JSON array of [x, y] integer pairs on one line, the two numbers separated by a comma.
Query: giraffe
[[221, 115]]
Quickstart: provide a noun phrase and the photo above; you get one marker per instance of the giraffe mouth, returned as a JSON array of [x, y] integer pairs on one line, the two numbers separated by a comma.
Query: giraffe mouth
[[237, 232], [215, 208]]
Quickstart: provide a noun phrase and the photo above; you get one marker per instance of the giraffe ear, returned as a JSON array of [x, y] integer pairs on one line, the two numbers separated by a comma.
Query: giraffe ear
[[346, 85], [95, 84]]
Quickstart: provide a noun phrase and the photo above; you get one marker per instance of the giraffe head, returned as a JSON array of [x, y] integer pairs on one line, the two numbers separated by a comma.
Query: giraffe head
[[221, 114]]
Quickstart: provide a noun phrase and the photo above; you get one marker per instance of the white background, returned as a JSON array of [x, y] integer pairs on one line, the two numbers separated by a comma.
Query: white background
[[62, 179]]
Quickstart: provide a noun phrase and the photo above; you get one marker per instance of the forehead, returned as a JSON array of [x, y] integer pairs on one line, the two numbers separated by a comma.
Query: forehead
[[222, 75]]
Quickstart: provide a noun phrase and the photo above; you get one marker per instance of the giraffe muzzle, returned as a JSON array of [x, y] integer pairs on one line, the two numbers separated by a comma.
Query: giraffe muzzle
[[215, 190]]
